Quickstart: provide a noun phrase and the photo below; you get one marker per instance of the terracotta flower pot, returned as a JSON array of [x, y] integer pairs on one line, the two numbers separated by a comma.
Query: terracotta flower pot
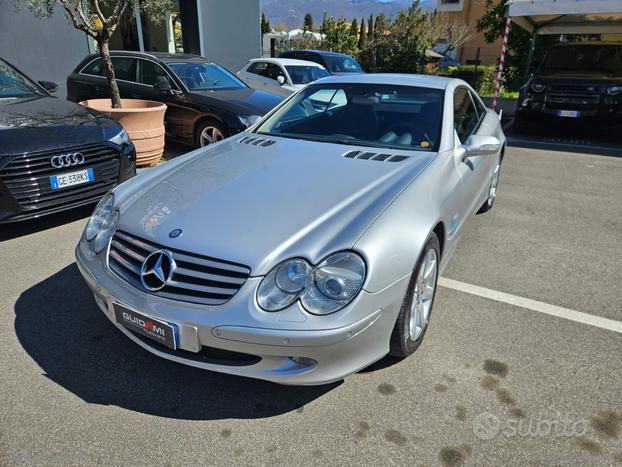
[[143, 121]]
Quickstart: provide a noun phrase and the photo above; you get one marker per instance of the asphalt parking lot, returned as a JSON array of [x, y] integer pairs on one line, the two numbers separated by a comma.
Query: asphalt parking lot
[[498, 380]]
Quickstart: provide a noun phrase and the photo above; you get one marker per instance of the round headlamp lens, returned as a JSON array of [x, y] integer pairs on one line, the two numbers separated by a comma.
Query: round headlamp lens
[[291, 276], [282, 286], [334, 283]]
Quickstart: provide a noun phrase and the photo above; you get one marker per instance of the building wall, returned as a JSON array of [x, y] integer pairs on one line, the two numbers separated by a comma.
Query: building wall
[[469, 12], [46, 49], [230, 31]]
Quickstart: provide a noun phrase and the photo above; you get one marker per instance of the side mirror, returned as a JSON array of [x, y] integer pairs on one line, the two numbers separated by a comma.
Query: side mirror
[[49, 86], [281, 79], [481, 146], [163, 87]]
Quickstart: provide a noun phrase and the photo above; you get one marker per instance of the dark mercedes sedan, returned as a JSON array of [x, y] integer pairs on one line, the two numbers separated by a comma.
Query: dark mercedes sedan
[[205, 102], [54, 154]]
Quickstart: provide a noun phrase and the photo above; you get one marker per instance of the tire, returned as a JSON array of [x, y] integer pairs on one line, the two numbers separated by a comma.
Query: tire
[[405, 339], [216, 131], [492, 190]]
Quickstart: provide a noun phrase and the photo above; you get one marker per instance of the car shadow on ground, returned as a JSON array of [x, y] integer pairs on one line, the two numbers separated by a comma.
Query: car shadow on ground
[[18, 229], [59, 325]]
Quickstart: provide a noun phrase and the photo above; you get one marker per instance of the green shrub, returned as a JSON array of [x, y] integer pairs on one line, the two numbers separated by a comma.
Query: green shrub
[[481, 78]]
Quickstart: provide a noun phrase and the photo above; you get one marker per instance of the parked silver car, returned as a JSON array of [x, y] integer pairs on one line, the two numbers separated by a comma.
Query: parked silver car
[[282, 76], [307, 247]]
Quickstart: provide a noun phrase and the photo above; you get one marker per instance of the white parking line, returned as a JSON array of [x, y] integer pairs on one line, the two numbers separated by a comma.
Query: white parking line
[[540, 307]]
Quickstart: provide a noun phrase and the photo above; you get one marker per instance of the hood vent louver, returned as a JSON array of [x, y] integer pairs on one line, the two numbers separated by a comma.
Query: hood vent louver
[[263, 142], [375, 156]]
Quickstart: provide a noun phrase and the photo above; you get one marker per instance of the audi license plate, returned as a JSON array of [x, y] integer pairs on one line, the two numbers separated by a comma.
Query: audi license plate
[[569, 113], [72, 178], [162, 332]]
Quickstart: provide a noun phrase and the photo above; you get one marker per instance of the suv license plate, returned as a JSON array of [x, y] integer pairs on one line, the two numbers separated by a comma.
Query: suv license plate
[[569, 113]]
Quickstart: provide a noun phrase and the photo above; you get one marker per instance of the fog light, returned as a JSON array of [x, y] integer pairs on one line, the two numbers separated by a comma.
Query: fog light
[[304, 361]]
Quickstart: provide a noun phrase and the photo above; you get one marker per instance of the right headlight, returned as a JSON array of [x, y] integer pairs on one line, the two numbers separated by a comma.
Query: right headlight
[[99, 216], [537, 87], [322, 289], [101, 224]]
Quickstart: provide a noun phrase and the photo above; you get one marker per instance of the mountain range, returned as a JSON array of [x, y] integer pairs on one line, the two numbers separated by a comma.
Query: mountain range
[[292, 12]]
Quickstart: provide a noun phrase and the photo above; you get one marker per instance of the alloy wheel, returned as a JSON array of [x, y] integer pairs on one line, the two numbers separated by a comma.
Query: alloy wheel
[[210, 135], [423, 295], [492, 194]]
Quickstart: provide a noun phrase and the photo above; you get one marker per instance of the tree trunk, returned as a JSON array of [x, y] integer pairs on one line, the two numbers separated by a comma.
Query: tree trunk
[[115, 96]]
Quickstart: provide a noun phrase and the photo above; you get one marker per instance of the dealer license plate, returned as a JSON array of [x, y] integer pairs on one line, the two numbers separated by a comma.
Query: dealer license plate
[[162, 332]]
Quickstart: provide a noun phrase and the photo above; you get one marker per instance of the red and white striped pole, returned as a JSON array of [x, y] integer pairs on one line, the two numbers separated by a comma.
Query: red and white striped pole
[[504, 49]]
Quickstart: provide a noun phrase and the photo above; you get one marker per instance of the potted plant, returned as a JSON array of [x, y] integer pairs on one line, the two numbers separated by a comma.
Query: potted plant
[[99, 19]]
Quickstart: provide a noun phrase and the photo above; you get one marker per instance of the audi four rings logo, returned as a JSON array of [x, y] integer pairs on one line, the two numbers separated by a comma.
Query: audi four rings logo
[[67, 160]]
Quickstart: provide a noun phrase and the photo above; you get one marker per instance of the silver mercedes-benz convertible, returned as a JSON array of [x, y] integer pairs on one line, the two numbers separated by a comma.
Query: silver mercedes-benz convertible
[[308, 247]]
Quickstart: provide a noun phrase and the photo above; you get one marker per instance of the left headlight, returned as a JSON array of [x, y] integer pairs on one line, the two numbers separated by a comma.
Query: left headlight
[[322, 290], [249, 120], [101, 224], [614, 90], [121, 139]]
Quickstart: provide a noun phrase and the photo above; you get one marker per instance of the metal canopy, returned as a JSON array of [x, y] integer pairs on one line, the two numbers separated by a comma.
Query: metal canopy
[[567, 16]]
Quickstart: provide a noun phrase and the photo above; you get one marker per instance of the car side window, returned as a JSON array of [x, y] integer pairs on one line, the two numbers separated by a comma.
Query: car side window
[[258, 68], [124, 68], [95, 68], [466, 117], [151, 73], [272, 71]]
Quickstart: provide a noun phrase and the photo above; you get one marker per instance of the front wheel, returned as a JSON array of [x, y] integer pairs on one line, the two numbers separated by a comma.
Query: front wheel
[[492, 190], [414, 317], [209, 132]]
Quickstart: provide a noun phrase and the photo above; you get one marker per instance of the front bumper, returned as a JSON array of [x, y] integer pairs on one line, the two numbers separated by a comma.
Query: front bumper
[[218, 338], [594, 108]]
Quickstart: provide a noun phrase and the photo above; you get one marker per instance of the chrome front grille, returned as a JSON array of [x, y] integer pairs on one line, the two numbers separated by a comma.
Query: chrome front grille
[[196, 278], [27, 177]]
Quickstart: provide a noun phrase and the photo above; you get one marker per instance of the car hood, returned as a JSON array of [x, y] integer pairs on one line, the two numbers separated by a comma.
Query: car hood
[[42, 123], [260, 205], [245, 101], [582, 75]]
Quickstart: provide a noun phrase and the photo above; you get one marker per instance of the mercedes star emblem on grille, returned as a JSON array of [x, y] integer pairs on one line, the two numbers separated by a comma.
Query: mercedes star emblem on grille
[[67, 160], [157, 270]]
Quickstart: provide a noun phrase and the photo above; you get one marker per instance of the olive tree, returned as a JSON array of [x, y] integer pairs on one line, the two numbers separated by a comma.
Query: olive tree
[[99, 19]]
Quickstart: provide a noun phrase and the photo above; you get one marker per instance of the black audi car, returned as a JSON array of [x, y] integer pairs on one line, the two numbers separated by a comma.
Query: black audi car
[[54, 154], [205, 102], [576, 82]]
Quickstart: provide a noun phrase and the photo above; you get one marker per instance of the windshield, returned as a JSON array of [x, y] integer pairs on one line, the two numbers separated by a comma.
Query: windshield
[[595, 58], [14, 84], [205, 76], [376, 115], [306, 74], [342, 64]]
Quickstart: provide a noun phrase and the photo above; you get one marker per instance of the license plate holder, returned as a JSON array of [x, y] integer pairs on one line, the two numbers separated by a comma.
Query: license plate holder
[[69, 179], [162, 332]]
